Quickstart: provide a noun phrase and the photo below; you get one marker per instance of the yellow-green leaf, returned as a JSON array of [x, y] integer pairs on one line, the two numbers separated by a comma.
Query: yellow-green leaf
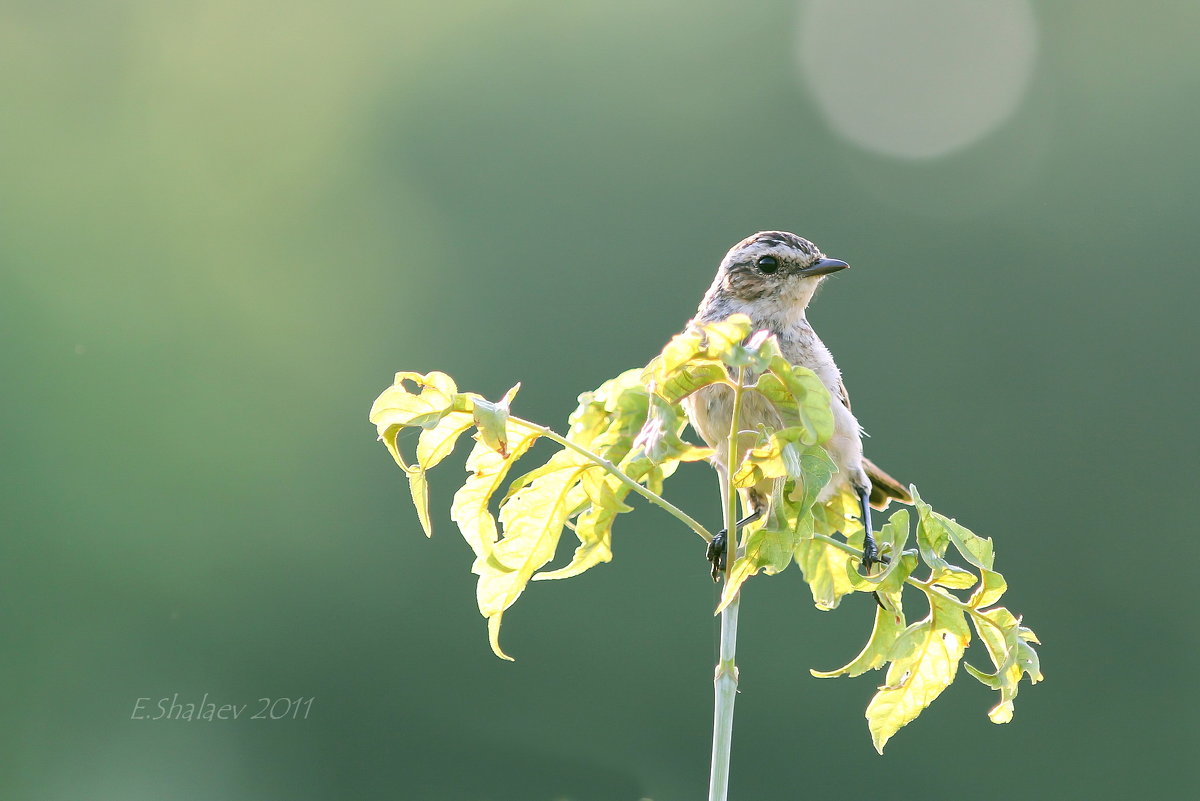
[[659, 435], [418, 487], [494, 636], [767, 550], [721, 338], [682, 383], [816, 469], [682, 349], [487, 470], [779, 456], [874, 654], [533, 520], [593, 527], [436, 443], [979, 552], [1007, 644], [839, 515], [433, 446], [934, 536], [800, 397], [397, 406], [828, 570], [924, 661], [891, 539]]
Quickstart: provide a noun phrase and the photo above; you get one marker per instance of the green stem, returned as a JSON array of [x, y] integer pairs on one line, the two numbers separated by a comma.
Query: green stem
[[617, 473], [726, 680], [730, 492]]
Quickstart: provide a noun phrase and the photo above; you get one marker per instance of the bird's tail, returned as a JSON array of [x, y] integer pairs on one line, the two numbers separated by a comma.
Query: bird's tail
[[883, 487]]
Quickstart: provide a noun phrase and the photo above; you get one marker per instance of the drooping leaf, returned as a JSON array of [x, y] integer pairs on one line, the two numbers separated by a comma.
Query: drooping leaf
[[1008, 645], [487, 470], [829, 571], [433, 446], [924, 661], [978, 551], [533, 519], [874, 655], [418, 488], [398, 408], [593, 527], [933, 538], [769, 546], [436, 443]]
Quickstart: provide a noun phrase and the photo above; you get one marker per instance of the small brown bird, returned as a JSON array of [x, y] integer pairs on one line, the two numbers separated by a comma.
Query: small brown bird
[[771, 277]]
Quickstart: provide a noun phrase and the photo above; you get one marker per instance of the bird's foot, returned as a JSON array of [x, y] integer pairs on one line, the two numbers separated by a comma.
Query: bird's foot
[[716, 554], [871, 556]]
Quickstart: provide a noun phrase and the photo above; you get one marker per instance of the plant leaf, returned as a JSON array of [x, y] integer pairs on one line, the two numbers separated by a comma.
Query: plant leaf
[[829, 572], [924, 661], [1007, 644], [781, 455], [874, 654], [767, 550], [433, 446], [977, 550], [418, 488], [533, 519], [487, 470], [684, 382], [800, 397], [436, 443], [397, 407], [933, 537], [722, 339], [594, 526], [659, 436]]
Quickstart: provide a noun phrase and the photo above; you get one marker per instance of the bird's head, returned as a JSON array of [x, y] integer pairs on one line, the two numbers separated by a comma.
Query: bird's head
[[774, 267]]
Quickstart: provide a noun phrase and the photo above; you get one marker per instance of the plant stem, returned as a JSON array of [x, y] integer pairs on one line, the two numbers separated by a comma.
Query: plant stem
[[619, 474], [726, 679]]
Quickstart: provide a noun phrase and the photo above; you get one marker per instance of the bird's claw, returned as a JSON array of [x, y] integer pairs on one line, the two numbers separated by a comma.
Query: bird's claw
[[716, 554], [871, 557]]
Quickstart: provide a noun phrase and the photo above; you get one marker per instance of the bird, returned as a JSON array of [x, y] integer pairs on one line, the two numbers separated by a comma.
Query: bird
[[771, 277]]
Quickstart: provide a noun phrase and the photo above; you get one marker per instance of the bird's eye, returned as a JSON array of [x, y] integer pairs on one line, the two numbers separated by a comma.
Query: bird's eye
[[768, 264]]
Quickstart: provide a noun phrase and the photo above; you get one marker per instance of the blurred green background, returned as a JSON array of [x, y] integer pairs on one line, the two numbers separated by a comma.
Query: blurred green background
[[224, 225]]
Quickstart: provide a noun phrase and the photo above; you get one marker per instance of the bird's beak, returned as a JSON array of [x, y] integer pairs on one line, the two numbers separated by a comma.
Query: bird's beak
[[823, 267]]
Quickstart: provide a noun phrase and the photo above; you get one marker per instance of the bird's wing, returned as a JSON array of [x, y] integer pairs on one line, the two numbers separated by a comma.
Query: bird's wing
[[843, 395], [884, 488]]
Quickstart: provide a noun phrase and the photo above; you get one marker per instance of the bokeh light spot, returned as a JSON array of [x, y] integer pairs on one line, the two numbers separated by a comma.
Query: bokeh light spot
[[917, 79]]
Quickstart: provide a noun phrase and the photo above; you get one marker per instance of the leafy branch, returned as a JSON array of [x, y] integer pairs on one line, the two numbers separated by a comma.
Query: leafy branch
[[626, 437]]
